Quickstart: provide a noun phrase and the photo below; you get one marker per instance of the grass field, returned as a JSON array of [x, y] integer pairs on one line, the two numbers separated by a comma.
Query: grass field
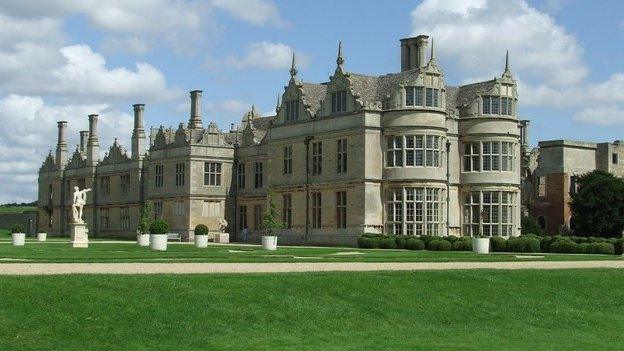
[[130, 252], [16, 209], [462, 310]]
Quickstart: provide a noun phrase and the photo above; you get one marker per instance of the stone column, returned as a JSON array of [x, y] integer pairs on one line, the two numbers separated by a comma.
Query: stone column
[[138, 133], [61, 146], [195, 120], [93, 143], [421, 46]]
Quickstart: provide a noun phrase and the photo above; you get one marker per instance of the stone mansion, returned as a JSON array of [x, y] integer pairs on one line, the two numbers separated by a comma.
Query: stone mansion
[[400, 153]]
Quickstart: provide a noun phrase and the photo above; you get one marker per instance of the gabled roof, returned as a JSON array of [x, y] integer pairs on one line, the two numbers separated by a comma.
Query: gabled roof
[[313, 94], [467, 93]]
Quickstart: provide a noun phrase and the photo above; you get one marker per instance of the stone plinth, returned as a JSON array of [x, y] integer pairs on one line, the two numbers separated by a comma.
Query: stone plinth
[[79, 235]]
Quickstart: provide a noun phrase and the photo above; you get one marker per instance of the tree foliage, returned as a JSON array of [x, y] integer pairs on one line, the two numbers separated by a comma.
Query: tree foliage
[[530, 226], [270, 222], [147, 213], [598, 205]]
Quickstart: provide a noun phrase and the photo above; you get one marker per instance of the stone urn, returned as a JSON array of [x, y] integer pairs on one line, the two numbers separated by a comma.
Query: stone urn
[[18, 239], [41, 236], [481, 245], [269, 242], [143, 239], [158, 242]]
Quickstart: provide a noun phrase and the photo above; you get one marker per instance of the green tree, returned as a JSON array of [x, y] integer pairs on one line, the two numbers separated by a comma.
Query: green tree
[[147, 215], [598, 205], [530, 226], [270, 223]]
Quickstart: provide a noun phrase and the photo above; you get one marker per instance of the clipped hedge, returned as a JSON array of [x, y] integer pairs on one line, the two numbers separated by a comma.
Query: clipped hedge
[[498, 244], [388, 243], [461, 245], [414, 244], [525, 244], [368, 242], [564, 246], [400, 241], [439, 245]]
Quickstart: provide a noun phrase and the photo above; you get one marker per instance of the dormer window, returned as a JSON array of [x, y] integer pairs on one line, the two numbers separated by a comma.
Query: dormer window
[[339, 101], [496, 105], [292, 110], [414, 97]]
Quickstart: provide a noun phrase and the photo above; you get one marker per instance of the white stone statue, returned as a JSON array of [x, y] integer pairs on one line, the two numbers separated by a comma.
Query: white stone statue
[[222, 225], [80, 199]]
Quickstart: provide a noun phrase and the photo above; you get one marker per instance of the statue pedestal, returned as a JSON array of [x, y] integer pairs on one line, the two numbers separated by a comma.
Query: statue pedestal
[[79, 235]]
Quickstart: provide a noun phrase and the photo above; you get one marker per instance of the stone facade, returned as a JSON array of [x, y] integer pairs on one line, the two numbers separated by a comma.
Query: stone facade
[[551, 179], [397, 153]]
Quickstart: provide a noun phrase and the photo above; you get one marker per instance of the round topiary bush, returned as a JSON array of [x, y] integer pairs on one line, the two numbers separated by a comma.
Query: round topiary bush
[[439, 245], [18, 228], [427, 238], [414, 244], [582, 248], [619, 246], [564, 246], [545, 243], [605, 249], [461, 245], [400, 241], [388, 243], [159, 226], [498, 244], [201, 229], [451, 238], [368, 242]]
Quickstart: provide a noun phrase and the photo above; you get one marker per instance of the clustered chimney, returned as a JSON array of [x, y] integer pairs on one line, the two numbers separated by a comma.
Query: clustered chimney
[[413, 52], [61, 146], [138, 133], [84, 136], [93, 143], [195, 122]]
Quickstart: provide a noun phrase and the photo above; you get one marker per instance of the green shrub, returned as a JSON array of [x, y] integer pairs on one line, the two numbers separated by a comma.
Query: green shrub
[[414, 244], [159, 227], [498, 244], [545, 243], [582, 248], [591, 248], [612, 240], [201, 229], [427, 238], [605, 249], [439, 245], [18, 228], [400, 241], [523, 244], [368, 242], [388, 243], [451, 238], [461, 245], [564, 246], [619, 246]]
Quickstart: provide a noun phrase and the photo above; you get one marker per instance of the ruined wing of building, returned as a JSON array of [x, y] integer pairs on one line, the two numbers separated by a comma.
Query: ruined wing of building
[[400, 153]]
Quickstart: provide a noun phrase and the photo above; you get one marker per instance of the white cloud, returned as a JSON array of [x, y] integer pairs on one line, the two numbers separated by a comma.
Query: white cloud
[[476, 33], [603, 116], [266, 55], [257, 12], [28, 131]]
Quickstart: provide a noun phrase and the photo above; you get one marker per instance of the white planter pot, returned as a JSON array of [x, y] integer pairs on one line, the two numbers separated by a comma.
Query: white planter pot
[[19, 239], [269, 242], [201, 241], [42, 236], [143, 239], [481, 245], [158, 242]]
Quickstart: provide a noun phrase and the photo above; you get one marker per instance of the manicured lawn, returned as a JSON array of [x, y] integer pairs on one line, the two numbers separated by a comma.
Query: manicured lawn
[[5, 233], [16, 209], [130, 252], [461, 310]]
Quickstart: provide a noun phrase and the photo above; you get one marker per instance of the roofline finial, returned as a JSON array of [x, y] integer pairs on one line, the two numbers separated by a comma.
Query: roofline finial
[[339, 59], [277, 106], [293, 66], [507, 61]]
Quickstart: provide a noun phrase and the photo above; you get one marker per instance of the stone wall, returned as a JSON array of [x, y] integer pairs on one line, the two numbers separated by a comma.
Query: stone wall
[[27, 219]]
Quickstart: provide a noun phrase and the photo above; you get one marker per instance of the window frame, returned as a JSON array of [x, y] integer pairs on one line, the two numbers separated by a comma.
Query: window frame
[[213, 173], [341, 155], [258, 175]]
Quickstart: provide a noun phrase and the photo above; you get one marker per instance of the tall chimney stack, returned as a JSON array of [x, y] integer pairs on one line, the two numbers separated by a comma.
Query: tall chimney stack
[[138, 133], [413, 52], [195, 121], [93, 143], [84, 136], [61, 146]]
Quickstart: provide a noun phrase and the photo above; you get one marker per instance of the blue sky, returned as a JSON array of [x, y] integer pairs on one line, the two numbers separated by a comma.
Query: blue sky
[[64, 60]]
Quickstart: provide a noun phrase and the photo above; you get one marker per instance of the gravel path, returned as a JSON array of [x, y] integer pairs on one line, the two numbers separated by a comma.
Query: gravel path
[[196, 268]]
